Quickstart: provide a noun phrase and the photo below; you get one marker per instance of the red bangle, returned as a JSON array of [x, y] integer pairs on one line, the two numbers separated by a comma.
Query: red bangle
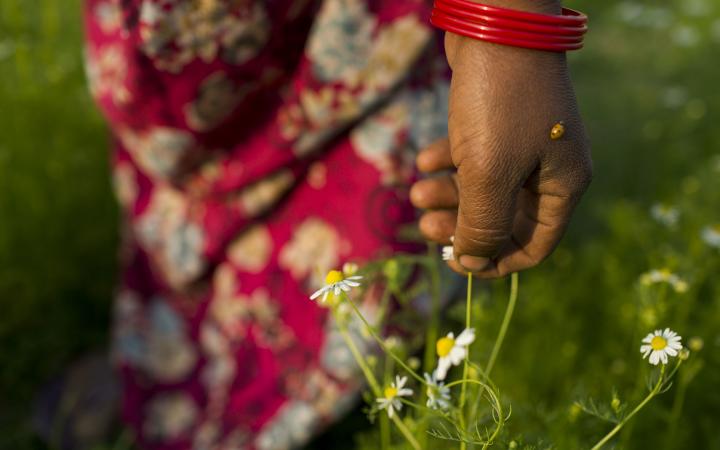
[[500, 32], [569, 17], [500, 22], [439, 22], [511, 27]]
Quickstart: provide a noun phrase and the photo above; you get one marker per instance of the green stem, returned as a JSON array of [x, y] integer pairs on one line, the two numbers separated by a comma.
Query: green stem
[[431, 334], [373, 381], [505, 324], [500, 339], [640, 406], [406, 433], [380, 342], [359, 358], [468, 313], [384, 420], [432, 331]]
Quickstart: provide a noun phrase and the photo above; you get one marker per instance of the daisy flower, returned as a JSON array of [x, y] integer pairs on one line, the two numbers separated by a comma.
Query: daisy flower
[[659, 345], [711, 235], [448, 254], [452, 350], [438, 394], [336, 282], [665, 214], [664, 276], [392, 393]]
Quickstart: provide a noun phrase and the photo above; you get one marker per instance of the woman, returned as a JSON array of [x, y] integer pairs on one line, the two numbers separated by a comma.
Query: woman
[[260, 144]]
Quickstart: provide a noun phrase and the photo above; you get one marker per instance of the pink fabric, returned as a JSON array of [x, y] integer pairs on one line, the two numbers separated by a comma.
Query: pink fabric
[[257, 145]]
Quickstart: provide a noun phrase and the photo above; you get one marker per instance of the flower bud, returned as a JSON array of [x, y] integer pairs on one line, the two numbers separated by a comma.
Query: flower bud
[[414, 363], [349, 269], [696, 343]]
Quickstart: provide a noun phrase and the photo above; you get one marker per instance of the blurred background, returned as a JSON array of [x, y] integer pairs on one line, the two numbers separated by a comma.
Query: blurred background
[[647, 86]]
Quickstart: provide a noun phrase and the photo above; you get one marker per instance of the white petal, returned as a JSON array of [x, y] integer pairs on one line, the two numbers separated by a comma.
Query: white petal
[[671, 351], [318, 293], [654, 358], [397, 405], [400, 381], [428, 378], [466, 337], [405, 392], [457, 354], [675, 346], [442, 368], [663, 357]]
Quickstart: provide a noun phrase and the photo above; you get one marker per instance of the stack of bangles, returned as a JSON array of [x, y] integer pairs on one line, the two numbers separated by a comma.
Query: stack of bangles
[[554, 33]]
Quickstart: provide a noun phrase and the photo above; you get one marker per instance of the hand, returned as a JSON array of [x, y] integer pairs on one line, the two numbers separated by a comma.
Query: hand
[[514, 189]]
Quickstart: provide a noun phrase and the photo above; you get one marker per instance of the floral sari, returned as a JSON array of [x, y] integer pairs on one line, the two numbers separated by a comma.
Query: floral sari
[[257, 144]]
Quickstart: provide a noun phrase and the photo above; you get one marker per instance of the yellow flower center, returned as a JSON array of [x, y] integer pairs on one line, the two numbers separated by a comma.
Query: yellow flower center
[[333, 277], [658, 343], [444, 345], [390, 392]]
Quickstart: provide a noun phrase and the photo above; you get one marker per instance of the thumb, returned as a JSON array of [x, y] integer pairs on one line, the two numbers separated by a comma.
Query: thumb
[[488, 188]]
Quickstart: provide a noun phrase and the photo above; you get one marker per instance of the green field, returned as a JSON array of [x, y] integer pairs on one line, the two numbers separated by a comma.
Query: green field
[[647, 86]]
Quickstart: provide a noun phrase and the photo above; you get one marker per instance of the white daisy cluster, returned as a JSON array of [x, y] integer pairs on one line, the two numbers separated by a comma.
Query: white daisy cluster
[[711, 235], [665, 214], [391, 400], [452, 351], [659, 345], [336, 282], [664, 276], [438, 395]]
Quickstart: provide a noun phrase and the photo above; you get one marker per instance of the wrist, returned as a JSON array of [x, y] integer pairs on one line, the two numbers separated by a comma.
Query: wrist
[[461, 49]]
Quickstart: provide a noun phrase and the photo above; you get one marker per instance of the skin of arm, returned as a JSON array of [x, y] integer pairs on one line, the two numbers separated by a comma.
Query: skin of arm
[[511, 189]]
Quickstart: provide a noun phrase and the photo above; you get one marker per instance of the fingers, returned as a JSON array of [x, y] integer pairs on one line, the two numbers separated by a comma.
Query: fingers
[[487, 200], [435, 157], [435, 193], [438, 226], [539, 224]]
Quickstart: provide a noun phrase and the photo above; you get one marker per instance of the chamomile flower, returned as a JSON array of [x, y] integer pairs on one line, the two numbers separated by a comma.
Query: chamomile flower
[[448, 254], [437, 393], [335, 283], [665, 214], [711, 235], [659, 345], [664, 276], [451, 351], [391, 402]]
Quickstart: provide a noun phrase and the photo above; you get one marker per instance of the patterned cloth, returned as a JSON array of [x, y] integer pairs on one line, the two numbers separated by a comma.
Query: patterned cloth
[[257, 145]]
